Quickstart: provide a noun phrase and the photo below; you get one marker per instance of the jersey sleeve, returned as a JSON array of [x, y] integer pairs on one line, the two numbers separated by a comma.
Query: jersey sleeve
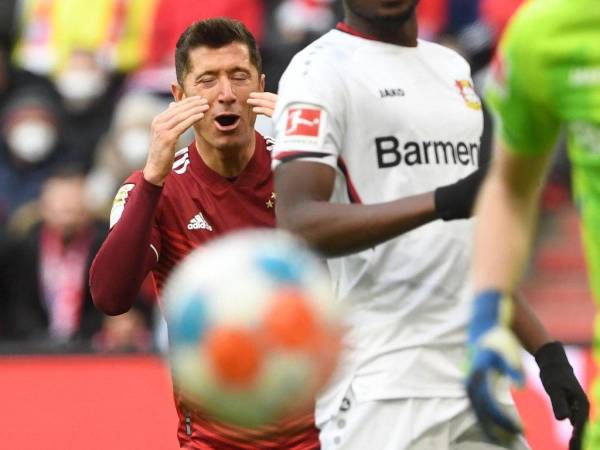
[[309, 117], [131, 249], [520, 92], [122, 200]]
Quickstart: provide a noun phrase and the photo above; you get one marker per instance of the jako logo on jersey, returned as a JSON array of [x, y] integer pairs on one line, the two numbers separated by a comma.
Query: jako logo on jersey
[[467, 91], [391, 92], [390, 154], [198, 222], [303, 122]]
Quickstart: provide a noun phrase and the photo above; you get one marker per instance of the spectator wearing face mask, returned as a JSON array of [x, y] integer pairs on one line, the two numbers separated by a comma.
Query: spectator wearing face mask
[[88, 92], [30, 142]]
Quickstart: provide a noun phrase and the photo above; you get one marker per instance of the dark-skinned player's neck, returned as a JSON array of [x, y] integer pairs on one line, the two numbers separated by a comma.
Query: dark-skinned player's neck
[[402, 33], [227, 162]]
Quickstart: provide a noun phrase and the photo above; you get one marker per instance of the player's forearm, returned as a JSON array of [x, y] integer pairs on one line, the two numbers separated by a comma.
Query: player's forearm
[[506, 214], [125, 258], [338, 229], [502, 235], [526, 325]]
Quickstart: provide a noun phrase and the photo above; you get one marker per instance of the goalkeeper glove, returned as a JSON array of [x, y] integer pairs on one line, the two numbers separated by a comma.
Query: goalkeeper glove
[[567, 397], [456, 200], [494, 352]]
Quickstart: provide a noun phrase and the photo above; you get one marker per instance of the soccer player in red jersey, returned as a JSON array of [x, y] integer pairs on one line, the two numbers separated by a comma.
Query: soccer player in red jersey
[[183, 198]]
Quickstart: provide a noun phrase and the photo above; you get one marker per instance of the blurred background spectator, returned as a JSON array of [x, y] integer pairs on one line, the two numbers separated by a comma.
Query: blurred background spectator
[[30, 142], [88, 94], [49, 261], [50, 298], [80, 82], [50, 256]]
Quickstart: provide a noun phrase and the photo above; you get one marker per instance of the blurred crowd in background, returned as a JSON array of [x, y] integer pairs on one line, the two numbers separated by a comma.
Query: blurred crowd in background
[[80, 82]]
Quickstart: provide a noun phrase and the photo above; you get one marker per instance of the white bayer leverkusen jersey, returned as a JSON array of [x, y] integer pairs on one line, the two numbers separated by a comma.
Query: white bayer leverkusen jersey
[[392, 121]]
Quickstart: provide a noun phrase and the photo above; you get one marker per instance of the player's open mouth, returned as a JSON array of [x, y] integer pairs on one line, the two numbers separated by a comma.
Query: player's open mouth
[[227, 121]]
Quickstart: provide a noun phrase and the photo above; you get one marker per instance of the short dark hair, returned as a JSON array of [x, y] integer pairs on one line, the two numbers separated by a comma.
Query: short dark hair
[[213, 33]]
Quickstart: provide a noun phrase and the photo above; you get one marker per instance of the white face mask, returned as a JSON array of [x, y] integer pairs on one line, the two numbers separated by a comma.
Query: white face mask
[[32, 140], [80, 87], [133, 145]]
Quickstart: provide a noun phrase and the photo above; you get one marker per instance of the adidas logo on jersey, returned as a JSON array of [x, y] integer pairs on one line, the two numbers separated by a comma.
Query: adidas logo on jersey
[[198, 222]]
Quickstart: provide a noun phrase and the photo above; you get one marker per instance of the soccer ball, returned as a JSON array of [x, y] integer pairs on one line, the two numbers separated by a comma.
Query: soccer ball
[[254, 330]]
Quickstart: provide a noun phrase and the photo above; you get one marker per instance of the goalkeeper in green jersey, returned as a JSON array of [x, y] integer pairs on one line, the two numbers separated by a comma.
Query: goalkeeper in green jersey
[[546, 76]]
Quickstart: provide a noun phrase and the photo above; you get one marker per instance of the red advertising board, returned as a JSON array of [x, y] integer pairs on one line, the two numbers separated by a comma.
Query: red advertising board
[[125, 403]]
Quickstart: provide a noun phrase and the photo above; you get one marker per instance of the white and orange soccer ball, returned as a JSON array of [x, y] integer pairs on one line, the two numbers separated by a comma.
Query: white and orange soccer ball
[[254, 329]]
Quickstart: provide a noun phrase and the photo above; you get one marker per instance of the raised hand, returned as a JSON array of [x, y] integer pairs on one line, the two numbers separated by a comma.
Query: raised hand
[[263, 103], [165, 131]]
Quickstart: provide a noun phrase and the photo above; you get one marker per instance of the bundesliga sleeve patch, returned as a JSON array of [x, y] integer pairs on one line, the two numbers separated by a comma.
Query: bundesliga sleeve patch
[[119, 203], [303, 122], [302, 127]]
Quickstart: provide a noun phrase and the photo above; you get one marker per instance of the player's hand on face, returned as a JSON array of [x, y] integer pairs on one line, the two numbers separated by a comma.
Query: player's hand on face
[[166, 129], [495, 353], [263, 102]]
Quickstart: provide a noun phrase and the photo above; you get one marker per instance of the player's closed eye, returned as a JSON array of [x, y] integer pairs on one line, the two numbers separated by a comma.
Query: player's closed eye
[[240, 76], [206, 81]]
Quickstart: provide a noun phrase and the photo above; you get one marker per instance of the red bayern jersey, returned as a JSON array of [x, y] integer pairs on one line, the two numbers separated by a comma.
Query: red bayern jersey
[[194, 206], [197, 204]]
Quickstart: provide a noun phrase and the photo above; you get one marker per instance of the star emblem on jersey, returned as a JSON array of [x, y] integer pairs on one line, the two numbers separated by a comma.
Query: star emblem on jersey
[[198, 222], [271, 202], [467, 91], [303, 122]]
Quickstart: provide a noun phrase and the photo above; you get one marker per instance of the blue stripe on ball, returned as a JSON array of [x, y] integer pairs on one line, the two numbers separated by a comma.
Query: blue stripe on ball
[[282, 267], [191, 322]]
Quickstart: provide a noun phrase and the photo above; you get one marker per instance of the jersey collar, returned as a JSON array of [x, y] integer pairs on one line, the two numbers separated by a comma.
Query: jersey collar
[[342, 26], [250, 176], [345, 28]]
